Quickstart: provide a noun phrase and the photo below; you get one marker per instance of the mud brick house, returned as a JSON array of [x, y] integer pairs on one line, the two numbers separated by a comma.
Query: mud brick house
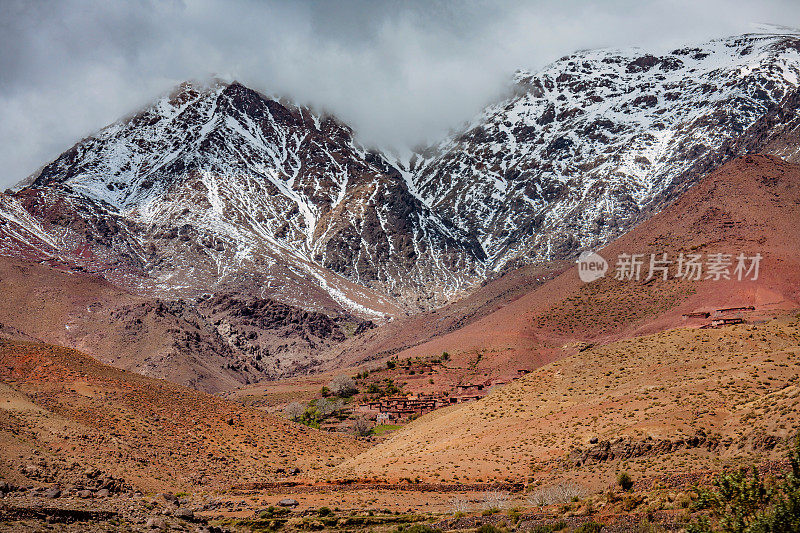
[[401, 407], [461, 398], [471, 387], [728, 310], [696, 314], [726, 321]]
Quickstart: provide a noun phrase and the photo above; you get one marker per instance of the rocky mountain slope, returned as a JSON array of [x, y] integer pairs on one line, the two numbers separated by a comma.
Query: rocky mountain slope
[[219, 186], [751, 205], [601, 139], [213, 344]]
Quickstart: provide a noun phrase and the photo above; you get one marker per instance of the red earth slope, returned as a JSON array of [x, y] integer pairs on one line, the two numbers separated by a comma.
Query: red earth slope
[[750, 205]]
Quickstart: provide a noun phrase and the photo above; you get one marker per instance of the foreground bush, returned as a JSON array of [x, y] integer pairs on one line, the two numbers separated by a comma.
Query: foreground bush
[[742, 503]]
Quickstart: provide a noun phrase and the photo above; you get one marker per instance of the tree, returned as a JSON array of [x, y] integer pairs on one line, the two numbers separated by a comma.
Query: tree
[[391, 388], [310, 417], [459, 506], [343, 386], [495, 500], [294, 410], [741, 502], [361, 426], [327, 407]]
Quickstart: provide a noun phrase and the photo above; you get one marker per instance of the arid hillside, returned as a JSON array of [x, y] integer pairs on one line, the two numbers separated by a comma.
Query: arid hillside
[[680, 401], [370, 348], [531, 316], [409, 331], [64, 414]]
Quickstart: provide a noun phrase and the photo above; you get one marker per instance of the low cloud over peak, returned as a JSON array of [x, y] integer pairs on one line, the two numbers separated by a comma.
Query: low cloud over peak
[[400, 73]]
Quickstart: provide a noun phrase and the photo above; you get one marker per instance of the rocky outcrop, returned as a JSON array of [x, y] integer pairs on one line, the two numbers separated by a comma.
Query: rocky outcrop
[[230, 337], [628, 448]]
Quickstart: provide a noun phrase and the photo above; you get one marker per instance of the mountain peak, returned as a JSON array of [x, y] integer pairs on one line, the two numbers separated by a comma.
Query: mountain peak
[[591, 144], [262, 185]]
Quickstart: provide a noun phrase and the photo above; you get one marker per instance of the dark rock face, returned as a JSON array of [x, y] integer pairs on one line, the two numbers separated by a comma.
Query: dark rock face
[[393, 238], [267, 314], [244, 338]]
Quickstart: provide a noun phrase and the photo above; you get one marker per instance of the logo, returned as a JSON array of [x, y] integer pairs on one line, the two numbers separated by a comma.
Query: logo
[[591, 267], [688, 266]]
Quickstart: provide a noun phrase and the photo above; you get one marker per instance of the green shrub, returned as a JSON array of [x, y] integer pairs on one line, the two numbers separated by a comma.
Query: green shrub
[[590, 527], [418, 528], [741, 502], [701, 525], [273, 512], [624, 481]]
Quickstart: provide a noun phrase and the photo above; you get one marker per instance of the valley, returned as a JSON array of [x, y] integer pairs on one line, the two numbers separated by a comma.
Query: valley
[[225, 313]]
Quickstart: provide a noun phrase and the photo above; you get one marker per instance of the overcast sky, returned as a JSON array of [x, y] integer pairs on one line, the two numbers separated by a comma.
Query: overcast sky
[[401, 73]]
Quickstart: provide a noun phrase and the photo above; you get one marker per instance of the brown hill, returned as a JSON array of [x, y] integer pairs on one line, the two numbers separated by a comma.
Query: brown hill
[[676, 399], [64, 414], [409, 331], [216, 344], [675, 402]]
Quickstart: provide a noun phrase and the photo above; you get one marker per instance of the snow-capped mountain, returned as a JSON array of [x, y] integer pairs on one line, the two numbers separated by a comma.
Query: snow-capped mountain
[[218, 188], [598, 140], [213, 183]]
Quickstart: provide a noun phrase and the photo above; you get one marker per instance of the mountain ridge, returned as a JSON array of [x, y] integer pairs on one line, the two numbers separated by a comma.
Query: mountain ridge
[[590, 145], [219, 190], [342, 209]]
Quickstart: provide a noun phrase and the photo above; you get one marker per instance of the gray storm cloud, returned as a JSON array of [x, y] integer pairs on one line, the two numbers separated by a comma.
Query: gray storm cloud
[[401, 73]]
